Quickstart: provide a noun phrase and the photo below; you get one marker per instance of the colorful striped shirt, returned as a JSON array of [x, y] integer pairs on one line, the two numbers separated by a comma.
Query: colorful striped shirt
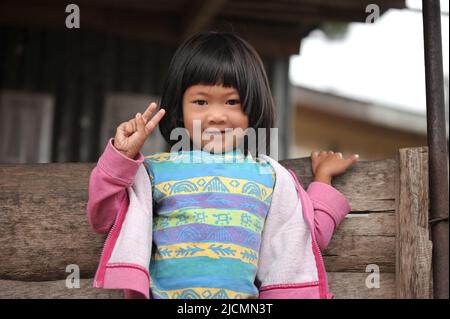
[[209, 213]]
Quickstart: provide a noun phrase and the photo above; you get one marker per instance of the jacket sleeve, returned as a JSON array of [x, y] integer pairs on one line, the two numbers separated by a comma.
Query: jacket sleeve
[[330, 208], [108, 182], [286, 265]]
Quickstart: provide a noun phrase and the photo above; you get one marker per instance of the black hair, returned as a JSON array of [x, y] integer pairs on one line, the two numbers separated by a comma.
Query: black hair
[[217, 58]]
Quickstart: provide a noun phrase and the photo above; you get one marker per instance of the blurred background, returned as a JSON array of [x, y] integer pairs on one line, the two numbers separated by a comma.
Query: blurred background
[[341, 78]]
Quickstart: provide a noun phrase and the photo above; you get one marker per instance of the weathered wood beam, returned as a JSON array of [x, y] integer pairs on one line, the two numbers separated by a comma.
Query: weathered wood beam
[[57, 289], [343, 285], [353, 286], [370, 189], [413, 244], [55, 195], [361, 240], [44, 228]]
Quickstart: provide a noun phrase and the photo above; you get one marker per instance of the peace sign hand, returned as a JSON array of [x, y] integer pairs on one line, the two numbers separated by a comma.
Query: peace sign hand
[[131, 135]]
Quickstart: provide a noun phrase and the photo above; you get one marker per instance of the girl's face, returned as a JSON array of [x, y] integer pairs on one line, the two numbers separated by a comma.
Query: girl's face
[[216, 107]]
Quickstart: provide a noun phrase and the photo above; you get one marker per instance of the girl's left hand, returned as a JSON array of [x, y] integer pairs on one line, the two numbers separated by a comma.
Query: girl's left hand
[[325, 165]]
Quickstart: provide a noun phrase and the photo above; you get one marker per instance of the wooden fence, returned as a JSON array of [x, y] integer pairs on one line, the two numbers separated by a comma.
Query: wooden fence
[[381, 250]]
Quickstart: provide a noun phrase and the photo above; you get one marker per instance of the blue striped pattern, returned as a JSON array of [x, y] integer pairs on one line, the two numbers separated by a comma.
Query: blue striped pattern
[[202, 272]]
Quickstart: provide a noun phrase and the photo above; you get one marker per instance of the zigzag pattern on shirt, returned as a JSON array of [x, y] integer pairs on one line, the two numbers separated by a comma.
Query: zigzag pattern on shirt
[[200, 293], [218, 184], [198, 157]]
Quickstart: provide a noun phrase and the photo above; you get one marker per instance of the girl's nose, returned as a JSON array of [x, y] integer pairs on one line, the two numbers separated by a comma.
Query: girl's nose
[[216, 115]]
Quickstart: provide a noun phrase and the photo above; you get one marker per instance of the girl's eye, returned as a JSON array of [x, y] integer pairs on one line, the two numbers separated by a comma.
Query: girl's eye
[[234, 102], [199, 102]]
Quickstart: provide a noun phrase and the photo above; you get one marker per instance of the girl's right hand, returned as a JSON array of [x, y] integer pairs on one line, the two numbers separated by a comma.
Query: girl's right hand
[[131, 135]]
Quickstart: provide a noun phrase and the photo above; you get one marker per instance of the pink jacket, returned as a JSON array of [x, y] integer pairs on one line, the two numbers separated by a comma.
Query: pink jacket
[[298, 227]]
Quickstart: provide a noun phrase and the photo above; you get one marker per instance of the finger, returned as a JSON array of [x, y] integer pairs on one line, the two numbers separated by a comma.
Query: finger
[[149, 111], [322, 153], [154, 121], [314, 154], [133, 124], [122, 129], [339, 155], [330, 152], [352, 159], [127, 128], [140, 124]]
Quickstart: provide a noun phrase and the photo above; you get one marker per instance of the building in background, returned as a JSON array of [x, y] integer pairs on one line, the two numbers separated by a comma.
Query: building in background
[[63, 91], [374, 131]]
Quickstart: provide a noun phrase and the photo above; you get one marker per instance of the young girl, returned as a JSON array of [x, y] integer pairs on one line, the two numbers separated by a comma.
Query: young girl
[[189, 223]]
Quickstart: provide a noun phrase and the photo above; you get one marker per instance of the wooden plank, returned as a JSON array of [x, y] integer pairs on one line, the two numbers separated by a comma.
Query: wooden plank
[[369, 246], [363, 240], [414, 247], [373, 224], [357, 264], [12, 289], [342, 285], [353, 286], [369, 185], [57, 195], [43, 225]]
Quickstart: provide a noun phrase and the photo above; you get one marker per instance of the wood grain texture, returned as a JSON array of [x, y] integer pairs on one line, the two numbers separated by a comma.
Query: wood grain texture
[[13, 289], [43, 225], [414, 247], [45, 220], [342, 285], [369, 185], [43, 228], [362, 240], [353, 286]]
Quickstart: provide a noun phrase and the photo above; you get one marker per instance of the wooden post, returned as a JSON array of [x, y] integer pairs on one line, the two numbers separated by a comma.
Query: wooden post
[[413, 244]]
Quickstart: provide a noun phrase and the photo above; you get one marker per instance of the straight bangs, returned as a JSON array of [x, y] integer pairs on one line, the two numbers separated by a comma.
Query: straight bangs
[[215, 64]]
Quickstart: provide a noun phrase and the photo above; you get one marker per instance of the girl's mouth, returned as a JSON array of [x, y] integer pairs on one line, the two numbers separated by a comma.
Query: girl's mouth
[[213, 131]]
